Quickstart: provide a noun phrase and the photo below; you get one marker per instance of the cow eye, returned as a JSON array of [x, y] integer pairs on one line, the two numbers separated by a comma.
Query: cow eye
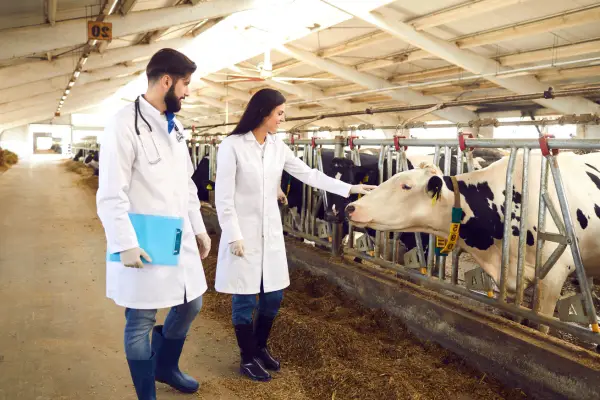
[[406, 187]]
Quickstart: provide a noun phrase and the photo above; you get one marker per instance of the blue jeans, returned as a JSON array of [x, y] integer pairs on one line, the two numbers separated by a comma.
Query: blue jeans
[[139, 323], [242, 305]]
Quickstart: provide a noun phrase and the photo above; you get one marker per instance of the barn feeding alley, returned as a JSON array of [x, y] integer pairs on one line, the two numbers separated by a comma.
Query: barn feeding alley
[[470, 272], [62, 339]]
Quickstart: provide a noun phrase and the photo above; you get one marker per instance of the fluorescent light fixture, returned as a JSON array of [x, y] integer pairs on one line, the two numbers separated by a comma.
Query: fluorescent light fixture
[[67, 91], [71, 83], [63, 98], [94, 42], [76, 74], [83, 61], [112, 8]]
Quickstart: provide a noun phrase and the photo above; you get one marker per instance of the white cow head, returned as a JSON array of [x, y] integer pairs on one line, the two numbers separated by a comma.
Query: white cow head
[[402, 203]]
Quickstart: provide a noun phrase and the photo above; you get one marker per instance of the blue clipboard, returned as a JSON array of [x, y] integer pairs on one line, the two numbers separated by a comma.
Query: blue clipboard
[[159, 236]]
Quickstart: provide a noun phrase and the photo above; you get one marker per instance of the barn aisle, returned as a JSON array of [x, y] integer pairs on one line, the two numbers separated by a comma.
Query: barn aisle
[[60, 338]]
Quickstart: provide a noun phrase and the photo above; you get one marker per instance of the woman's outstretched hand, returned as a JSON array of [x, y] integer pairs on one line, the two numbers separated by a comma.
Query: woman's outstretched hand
[[361, 189]]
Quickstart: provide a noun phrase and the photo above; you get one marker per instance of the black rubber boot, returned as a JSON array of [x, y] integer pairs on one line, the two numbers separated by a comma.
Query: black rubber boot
[[167, 370], [262, 329], [142, 375], [250, 365]]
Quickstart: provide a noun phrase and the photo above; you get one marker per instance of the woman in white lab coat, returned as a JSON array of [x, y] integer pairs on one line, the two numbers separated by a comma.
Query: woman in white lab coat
[[252, 259], [145, 168]]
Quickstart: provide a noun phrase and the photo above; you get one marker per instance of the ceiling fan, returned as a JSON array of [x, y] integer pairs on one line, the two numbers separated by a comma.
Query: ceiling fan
[[261, 72]]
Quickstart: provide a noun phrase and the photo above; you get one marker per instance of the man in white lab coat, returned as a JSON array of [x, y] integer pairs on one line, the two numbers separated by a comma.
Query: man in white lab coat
[[145, 168], [252, 260]]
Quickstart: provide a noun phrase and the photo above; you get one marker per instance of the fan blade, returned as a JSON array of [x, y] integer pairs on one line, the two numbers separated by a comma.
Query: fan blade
[[289, 78]]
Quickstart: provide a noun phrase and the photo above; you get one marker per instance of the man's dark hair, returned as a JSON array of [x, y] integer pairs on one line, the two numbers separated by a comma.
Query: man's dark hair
[[169, 62]]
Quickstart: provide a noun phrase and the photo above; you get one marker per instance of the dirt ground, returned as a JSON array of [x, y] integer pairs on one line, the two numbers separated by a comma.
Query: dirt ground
[[62, 339]]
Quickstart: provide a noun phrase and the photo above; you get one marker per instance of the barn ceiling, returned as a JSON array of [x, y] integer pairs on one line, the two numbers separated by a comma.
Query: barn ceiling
[[324, 55]]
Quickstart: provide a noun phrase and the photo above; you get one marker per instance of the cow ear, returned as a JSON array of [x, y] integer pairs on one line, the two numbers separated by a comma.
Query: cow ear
[[434, 187], [429, 168]]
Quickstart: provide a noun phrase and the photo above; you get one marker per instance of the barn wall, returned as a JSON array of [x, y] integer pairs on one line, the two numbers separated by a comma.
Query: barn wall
[[543, 367], [18, 140]]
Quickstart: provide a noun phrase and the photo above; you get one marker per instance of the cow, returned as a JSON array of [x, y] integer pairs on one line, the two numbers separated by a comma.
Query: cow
[[92, 160], [368, 172], [202, 180], [406, 203], [79, 156]]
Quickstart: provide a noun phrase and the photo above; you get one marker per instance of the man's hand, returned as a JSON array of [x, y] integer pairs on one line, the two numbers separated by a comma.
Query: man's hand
[[203, 241], [281, 197], [237, 248], [361, 189], [132, 257]]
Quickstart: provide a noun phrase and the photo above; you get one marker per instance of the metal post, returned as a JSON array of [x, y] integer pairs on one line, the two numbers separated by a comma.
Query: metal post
[[574, 244], [380, 164], [431, 250], [541, 227], [212, 171], [523, 228], [194, 154], [447, 171], [303, 213], [507, 223], [456, 252], [336, 218]]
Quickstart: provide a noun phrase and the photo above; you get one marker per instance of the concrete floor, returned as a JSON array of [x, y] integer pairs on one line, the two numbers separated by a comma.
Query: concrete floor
[[60, 337]]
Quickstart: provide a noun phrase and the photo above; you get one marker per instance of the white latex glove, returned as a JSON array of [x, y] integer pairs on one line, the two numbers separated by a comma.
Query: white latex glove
[[237, 248], [281, 197], [361, 189], [203, 241], [132, 257]]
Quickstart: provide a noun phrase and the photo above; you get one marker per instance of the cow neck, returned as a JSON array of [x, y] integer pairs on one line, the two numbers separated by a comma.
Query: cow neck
[[455, 220]]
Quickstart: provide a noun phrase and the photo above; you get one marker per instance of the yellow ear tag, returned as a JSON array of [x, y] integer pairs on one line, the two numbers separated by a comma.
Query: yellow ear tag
[[433, 199]]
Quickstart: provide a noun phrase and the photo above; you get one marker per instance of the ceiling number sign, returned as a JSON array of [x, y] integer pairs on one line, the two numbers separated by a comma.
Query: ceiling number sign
[[99, 30]]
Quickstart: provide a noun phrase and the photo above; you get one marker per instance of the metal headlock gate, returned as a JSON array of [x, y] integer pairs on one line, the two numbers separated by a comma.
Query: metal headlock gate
[[383, 250]]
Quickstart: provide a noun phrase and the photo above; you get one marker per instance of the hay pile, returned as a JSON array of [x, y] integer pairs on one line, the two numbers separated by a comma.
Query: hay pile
[[87, 174], [7, 159], [333, 348]]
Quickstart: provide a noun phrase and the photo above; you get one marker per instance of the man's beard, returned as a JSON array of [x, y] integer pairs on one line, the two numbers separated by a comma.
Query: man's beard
[[171, 101]]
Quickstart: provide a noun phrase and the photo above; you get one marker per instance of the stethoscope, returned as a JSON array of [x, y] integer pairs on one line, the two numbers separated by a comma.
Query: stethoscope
[[138, 111]]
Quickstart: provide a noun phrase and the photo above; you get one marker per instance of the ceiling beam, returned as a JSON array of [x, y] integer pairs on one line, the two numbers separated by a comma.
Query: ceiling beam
[[46, 110], [589, 14], [57, 94], [547, 24], [470, 61], [60, 82], [309, 93], [127, 6], [459, 11], [226, 90], [246, 96], [51, 11], [372, 82], [550, 53], [36, 115], [21, 74], [20, 42]]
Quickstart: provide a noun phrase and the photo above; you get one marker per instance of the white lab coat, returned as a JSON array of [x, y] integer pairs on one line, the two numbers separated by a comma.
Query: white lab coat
[[130, 184], [247, 208]]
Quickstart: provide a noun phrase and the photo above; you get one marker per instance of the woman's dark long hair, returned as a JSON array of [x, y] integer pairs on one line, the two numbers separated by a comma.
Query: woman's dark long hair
[[259, 107]]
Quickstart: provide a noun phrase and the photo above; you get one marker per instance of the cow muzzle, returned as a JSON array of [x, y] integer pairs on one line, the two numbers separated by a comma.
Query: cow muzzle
[[357, 214]]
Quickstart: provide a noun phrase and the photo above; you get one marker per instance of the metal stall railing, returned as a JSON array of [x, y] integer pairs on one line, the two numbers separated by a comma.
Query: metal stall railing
[[384, 252]]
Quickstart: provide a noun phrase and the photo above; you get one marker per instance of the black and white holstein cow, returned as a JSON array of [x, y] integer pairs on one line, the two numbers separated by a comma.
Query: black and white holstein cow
[[368, 172], [405, 203]]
